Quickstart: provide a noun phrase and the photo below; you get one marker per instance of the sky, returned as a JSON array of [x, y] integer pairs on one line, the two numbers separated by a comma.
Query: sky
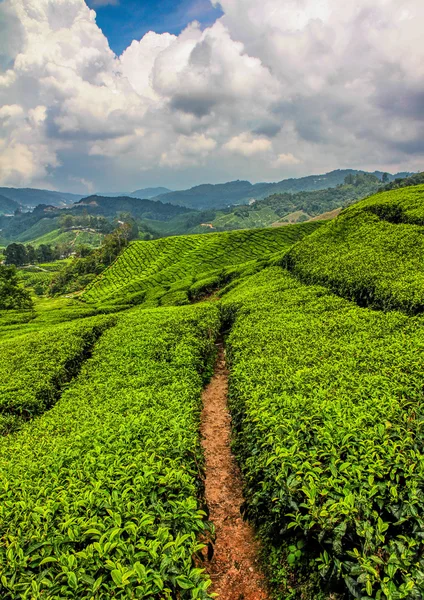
[[116, 95]]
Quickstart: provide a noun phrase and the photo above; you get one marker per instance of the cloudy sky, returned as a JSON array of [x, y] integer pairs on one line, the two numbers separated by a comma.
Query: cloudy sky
[[120, 94]]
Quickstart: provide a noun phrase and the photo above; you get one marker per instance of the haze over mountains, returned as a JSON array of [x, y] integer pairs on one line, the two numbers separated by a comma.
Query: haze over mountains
[[200, 197]]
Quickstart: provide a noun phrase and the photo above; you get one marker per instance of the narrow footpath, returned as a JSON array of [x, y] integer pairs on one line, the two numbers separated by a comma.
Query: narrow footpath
[[234, 568]]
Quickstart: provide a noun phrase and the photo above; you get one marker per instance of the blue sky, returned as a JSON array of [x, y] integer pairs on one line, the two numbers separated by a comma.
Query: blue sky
[[125, 20]]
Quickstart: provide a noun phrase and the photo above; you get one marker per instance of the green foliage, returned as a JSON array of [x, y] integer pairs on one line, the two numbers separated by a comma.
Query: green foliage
[[416, 179], [107, 481], [327, 406], [372, 253], [88, 263], [146, 271], [12, 295], [36, 366], [275, 207]]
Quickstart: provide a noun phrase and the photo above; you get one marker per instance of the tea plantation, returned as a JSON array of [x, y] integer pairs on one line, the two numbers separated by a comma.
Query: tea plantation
[[101, 466]]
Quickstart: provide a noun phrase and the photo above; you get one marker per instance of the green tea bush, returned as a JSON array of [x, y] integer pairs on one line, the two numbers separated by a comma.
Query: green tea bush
[[146, 270], [328, 408], [372, 253], [100, 497], [35, 367]]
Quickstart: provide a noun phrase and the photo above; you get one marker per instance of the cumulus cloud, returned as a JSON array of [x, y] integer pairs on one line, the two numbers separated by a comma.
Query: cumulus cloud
[[247, 145], [271, 89], [286, 159]]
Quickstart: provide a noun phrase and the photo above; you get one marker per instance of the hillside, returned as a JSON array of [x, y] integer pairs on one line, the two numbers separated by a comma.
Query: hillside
[[143, 193], [151, 192], [140, 208], [175, 270], [30, 197], [288, 207], [7, 206], [372, 253], [113, 450], [241, 192]]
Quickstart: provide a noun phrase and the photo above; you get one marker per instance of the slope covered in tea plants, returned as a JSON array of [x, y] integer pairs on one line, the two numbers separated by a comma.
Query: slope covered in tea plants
[[34, 367], [100, 496], [173, 270], [328, 407], [372, 253]]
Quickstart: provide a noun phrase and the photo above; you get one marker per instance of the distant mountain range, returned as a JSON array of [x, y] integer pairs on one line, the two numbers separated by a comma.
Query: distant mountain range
[[200, 197], [222, 195], [144, 194], [141, 208], [7, 206], [30, 197]]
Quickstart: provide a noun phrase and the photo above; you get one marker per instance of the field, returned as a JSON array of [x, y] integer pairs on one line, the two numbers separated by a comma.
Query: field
[[170, 270], [372, 253], [38, 277], [102, 471]]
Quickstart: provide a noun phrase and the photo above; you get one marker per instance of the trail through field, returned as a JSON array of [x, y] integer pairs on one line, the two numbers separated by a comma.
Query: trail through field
[[234, 568]]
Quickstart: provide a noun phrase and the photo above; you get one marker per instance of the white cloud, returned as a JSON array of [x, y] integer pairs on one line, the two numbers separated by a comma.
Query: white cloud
[[286, 159], [188, 150], [247, 145], [300, 85]]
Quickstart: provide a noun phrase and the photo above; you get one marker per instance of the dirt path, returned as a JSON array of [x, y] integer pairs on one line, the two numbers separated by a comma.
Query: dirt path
[[234, 568]]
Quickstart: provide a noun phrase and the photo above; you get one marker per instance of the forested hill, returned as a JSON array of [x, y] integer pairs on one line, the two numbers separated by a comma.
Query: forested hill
[[241, 192], [138, 208], [30, 197], [7, 206], [288, 207]]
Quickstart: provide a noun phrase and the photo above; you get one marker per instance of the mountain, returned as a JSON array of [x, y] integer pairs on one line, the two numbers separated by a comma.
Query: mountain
[[138, 208], [144, 194], [242, 192], [30, 197], [7, 206], [150, 192]]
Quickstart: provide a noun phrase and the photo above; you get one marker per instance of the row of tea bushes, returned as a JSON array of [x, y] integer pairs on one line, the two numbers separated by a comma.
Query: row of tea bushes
[[328, 409], [35, 367], [100, 497], [149, 271], [371, 254]]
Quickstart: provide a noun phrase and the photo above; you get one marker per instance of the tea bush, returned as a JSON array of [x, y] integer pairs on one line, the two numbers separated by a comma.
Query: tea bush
[[328, 408], [35, 367], [372, 253], [100, 497], [146, 270]]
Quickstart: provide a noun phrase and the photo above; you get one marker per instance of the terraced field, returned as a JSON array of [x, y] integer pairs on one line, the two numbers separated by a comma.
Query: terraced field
[[153, 269]]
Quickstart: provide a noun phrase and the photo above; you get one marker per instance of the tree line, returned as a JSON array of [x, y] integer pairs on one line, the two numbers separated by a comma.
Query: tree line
[[21, 255]]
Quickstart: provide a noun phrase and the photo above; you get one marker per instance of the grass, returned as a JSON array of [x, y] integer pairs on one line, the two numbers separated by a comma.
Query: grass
[[36, 366]]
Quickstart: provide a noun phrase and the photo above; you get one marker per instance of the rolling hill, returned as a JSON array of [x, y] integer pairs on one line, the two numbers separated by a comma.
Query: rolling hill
[[30, 197], [7, 206], [241, 192]]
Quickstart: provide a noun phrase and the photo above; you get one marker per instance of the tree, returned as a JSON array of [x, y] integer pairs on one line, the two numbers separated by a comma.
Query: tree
[[385, 178], [66, 222], [45, 253], [31, 254], [16, 254], [12, 295]]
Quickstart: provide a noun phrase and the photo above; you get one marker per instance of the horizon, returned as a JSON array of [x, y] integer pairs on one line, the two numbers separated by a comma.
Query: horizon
[[123, 95], [123, 192]]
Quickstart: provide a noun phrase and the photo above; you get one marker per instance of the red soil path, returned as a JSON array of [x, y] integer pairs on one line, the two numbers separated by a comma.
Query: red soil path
[[234, 568]]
